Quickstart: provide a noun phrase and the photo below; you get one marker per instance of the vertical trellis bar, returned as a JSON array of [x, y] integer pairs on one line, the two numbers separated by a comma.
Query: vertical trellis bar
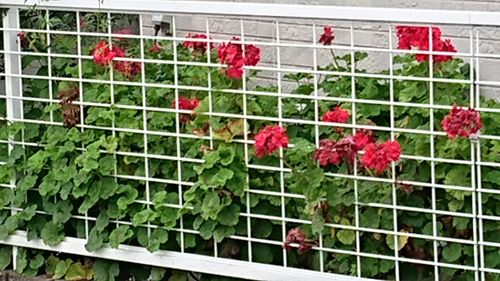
[[13, 83]]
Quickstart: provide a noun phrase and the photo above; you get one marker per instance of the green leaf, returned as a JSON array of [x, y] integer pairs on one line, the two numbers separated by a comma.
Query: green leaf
[[52, 234], [262, 253], [222, 232], [6, 197], [402, 240], [157, 274], [21, 260], [37, 261], [206, 229], [62, 212], [120, 235], [370, 218], [51, 263], [262, 229], [220, 178], [102, 221], [452, 252], [144, 216], [493, 177], [49, 186], [458, 175], [211, 206], [346, 237], [226, 155], [76, 271], [159, 198], [108, 187], [210, 160], [318, 221], [229, 216], [128, 198], [461, 223], [158, 237], [5, 257], [27, 182], [105, 270], [95, 240], [61, 268]]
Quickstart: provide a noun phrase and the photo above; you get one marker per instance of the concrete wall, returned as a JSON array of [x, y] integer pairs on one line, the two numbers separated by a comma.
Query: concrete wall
[[366, 34]]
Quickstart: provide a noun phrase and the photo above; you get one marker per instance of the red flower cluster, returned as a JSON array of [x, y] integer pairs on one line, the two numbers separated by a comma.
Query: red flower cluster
[[156, 48], [378, 156], [21, 35], [296, 236], [23, 38], [104, 54], [270, 139], [124, 31], [337, 115], [332, 152], [128, 69], [327, 36], [461, 122], [198, 47], [231, 54], [418, 38], [363, 138], [186, 104]]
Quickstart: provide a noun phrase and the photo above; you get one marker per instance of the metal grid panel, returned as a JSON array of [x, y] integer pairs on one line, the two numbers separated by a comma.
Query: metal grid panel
[[272, 70]]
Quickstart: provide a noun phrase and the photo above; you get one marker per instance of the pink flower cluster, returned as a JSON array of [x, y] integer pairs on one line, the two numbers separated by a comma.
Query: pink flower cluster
[[417, 37]]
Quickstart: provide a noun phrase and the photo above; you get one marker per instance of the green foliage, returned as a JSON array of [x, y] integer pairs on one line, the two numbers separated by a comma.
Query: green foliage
[[215, 199], [92, 171]]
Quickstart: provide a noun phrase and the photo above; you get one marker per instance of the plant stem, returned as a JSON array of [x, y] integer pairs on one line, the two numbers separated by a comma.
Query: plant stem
[[334, 59]]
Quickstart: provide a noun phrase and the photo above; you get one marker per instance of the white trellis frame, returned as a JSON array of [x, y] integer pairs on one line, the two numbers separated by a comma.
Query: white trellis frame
[[251, 270]]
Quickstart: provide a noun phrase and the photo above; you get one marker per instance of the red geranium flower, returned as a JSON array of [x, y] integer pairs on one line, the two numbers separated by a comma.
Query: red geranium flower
[[231, 54], [128, 68], [104, 55], [332, 152], [418, 38], [22, 36], [199, 47], [327, 36], [461, 122], [124, 31], [186, 104], [337, 115], [363, 138], [270, 139], [297, 236], [156, 48], [378, 156]]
